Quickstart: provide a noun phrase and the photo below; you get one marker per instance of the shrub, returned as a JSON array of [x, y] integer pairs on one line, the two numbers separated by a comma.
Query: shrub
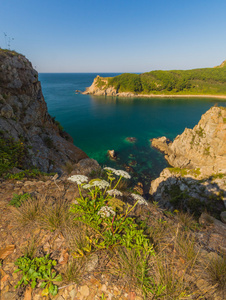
[[12, 154]]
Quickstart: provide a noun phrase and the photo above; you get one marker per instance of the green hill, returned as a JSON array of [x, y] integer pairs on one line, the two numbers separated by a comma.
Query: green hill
[[209, 81]]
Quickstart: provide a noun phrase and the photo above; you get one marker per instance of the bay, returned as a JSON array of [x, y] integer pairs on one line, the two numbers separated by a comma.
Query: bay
[[99, 124]]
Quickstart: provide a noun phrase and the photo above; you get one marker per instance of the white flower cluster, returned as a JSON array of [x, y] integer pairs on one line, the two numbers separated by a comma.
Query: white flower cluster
[[118, 172], [87, 186], [139, 198], [114, 192], [123, 174], [79, 179], [109, 169], [106, 212], [102, 184]]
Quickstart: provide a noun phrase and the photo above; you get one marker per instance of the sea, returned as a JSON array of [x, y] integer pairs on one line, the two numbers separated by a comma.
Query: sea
[[99, 124]]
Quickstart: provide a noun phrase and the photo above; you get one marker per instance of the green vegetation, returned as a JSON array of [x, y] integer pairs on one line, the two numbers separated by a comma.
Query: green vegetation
[[38, 270], [108, 226], [60, 127], [184, 172], [133, 242], [12, 154], [9, 52], [29, 173], [209, 81], [100, 83], [17, 200]]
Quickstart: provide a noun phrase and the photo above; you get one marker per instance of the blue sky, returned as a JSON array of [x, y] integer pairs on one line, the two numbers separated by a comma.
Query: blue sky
[[115, 36]]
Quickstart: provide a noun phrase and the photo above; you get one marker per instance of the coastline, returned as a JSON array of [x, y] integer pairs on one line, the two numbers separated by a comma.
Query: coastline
[[181, 96], [130, 95]]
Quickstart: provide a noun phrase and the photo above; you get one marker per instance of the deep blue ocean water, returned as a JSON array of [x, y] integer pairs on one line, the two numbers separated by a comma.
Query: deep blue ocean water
[[99, 124]]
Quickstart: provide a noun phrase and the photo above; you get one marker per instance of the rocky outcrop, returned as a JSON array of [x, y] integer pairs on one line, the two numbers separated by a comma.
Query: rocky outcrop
[[187, 189], [24, 116], [202, 147], [100, 87], [198, 179]]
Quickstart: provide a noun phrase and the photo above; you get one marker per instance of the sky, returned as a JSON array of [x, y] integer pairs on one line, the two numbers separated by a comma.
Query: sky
[[115, 36]]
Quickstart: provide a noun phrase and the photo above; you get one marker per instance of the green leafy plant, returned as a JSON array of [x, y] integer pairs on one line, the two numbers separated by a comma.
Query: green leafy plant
[[38, 270], [17, 200], [110, 226]]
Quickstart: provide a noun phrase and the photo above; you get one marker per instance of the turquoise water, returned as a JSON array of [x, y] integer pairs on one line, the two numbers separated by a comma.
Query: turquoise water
[[99, 124]]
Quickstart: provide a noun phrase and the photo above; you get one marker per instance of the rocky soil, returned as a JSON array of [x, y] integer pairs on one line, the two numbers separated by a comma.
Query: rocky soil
[[24, 116], [95, 281]]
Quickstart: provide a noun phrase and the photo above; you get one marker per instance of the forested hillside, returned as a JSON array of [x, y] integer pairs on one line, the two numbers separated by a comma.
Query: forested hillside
[[196, 81]]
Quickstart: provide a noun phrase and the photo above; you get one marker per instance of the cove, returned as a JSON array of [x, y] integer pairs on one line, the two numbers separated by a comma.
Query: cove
[[99, 124]]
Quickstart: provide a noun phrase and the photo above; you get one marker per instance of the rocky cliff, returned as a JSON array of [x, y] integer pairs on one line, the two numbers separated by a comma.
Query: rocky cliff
[[100, 87], [198, 179], [202, 147], [24, 116]]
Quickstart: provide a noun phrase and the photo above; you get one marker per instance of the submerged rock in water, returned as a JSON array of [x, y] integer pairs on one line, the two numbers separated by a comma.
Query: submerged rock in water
[[112, 154], [131, 139]]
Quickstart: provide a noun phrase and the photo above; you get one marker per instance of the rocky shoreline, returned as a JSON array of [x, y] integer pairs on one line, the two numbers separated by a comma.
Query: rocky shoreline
[[197, 178], [97, 90]]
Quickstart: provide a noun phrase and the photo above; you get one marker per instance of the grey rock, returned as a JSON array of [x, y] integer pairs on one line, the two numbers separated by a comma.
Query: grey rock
[[223, 216], [7, 112], [23, 113], [92, 263]]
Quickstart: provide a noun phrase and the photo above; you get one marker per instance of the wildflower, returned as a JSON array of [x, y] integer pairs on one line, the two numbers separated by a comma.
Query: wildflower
[[106, 212], [110, 169], [122, 174], [139, 199], [79, 179], [114, 192], [118, 172], [102, 184], [87, 186]]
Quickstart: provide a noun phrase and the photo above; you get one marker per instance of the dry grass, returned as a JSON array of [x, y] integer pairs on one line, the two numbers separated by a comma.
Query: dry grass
[[214, 272], [163, 276], [68, 167], [74, 271], [29, 213], [170, 277], [187, 220], [55, 215]]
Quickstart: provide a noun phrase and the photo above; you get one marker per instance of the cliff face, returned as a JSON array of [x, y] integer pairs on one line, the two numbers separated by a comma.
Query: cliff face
[[202, 147], [99, 88], [24, 116], [198, 153]]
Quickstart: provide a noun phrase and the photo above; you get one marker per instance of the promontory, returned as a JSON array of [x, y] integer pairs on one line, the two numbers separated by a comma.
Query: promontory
[[204, 82]]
